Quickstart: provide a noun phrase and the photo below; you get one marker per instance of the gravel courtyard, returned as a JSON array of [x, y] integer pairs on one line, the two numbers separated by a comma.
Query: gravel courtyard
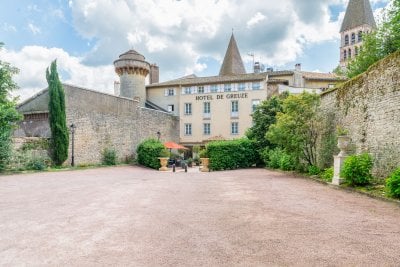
[[135, 216]]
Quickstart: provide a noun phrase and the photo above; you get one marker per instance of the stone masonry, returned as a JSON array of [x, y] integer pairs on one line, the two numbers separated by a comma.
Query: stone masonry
[[368, 107]]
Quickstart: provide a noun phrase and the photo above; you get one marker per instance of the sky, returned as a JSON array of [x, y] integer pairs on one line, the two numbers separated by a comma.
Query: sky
[[181, 36]]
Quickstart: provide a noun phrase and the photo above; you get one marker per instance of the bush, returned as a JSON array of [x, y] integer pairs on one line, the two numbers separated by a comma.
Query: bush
[[229, 155], [357, 169], [203, 153], [109, 156], [149, 151], [279, 159], [313, 170], [327, 174], [38, 164], [393, 184]]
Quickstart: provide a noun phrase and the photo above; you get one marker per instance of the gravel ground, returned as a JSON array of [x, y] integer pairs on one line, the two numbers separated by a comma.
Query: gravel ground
[[135, 216]]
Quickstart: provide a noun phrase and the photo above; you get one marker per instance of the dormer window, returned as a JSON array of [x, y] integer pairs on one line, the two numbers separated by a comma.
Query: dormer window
[[346, 40]]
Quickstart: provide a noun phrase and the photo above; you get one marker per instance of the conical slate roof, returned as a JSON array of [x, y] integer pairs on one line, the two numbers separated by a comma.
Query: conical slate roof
[[233, 63], [359, 12]]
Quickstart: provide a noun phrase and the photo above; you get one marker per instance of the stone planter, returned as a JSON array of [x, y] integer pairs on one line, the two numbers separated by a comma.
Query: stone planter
[[343, 145], [164, 163], [204, 162]]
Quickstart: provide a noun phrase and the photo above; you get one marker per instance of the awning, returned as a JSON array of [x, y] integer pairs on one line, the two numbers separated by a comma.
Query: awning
[[172, 145]]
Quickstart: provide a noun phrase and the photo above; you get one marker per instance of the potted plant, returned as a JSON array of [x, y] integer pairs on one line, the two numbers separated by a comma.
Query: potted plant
[[343, 141], [204, 157], [190, 162], [196, 160], [164, 160]]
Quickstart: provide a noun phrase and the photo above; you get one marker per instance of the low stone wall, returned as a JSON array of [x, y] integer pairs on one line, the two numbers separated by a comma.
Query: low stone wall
[[368, 106]]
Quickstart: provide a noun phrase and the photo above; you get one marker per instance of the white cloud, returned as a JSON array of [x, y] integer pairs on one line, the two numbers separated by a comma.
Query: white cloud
[[8, 27], [32, 62], [255, 19], [34, 29]]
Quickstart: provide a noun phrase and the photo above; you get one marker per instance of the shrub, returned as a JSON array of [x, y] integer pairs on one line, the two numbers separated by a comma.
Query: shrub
[[357, 169], [203, 153], [327, 174], [37, 163], [393, 184], [279, 159], [109, 156], [148, 153], [229, 155], [313, 170]]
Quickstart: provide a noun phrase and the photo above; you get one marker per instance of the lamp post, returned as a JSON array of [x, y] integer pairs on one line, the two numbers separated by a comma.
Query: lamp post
[[158, 135], [72, 127]]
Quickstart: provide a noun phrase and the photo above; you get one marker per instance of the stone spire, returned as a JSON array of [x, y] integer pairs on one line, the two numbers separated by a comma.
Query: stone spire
[[358, 13], [233, 63]]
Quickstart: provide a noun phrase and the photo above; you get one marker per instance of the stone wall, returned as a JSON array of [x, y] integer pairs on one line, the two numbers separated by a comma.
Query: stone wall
[[368, 106], [102, 121], [106, 121]]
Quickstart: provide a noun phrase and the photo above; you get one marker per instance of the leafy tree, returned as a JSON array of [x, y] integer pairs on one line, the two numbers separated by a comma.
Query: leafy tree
[[8, 113], [57, 117], [263, 117], [296, 128], [377, 45]]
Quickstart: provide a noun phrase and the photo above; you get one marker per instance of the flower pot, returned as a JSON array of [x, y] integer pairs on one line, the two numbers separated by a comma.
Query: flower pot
[[343, 145], [163, 162], [204, 162]]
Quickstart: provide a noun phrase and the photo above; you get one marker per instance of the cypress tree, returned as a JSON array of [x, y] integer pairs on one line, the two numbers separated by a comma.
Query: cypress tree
[[57, 117]]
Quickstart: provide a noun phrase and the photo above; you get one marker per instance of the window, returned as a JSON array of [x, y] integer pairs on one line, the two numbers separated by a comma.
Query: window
[[353, 38], [188, 108], [214, 88], [170, 108], [188, 90], [206, 110], [235, 109], [200, 89], [234, 128], [344, 54], [206, 128], [254, 104], [356, 51], [242, 87], [349, 54], [346, 40], [360, 34], [256, 86], [170, 92], [227, 87], [188, 129]]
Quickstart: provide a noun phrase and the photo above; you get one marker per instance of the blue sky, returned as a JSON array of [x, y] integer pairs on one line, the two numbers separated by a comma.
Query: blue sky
[[182, 37]]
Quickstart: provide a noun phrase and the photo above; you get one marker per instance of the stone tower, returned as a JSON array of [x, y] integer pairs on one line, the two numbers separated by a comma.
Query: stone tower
[[132, 70], [233, 63], [358, 19]]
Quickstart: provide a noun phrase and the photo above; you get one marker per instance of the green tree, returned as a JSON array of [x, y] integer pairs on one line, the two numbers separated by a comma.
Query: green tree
[[296, 128], [263, 117], [377, 45], [57, 117], [8, 113]]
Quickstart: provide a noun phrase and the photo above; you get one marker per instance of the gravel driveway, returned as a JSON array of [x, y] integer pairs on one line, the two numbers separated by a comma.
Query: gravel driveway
[[135, 216]]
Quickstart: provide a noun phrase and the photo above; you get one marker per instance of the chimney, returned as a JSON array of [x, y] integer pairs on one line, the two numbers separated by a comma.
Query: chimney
[[297, 67], [154, 73], [117, 86], [257, 67]]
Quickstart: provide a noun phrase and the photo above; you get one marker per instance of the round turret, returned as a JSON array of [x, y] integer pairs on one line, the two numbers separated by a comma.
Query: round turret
[[132, 70]]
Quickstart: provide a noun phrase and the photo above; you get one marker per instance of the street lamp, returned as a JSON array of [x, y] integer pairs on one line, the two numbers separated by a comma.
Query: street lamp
[[158, 135], [72, 128]]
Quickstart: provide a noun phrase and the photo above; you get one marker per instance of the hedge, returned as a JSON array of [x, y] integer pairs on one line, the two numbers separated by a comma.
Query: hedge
[[229, 155], [148, 153]]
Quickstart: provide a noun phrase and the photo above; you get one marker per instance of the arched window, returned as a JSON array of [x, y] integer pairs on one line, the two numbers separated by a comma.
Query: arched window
[[360, 33], [346, 40], [344, 54], [353, 38], [349, 54], [356, 51]]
